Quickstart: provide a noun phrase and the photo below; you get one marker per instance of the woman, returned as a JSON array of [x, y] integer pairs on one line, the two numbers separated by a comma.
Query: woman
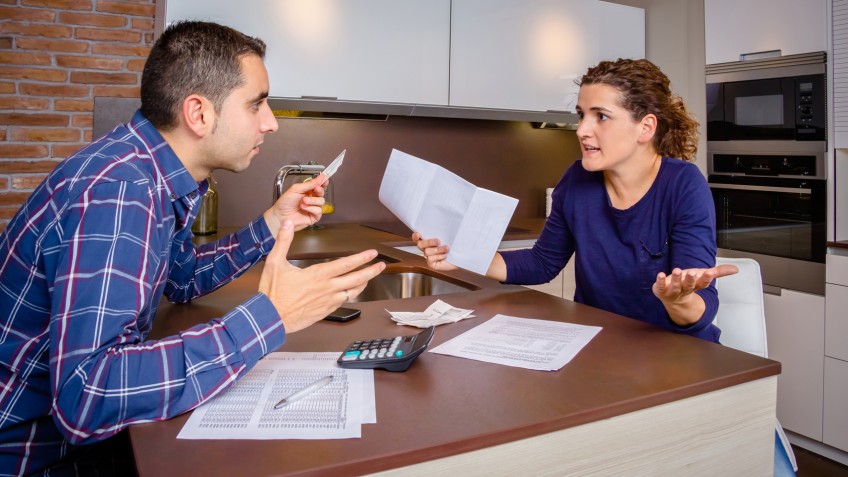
[[636, 214]]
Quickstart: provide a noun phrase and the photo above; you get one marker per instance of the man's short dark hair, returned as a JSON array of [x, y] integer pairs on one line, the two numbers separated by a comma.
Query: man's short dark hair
[[192, 57]]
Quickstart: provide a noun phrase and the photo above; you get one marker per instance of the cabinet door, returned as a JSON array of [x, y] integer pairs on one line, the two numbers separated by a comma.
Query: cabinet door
[[526, 55], [734, 27], [521, 55], [836, 321], [795, 330], [368, 50], [835, 399], [562, 285], [623, 30], [553, 287]]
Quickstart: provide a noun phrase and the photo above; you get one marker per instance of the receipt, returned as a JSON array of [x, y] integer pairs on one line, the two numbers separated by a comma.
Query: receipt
[[436, 314]]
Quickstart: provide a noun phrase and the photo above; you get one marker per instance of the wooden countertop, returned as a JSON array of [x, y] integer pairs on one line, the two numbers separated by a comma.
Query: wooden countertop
[[838, 244], [443, 405]]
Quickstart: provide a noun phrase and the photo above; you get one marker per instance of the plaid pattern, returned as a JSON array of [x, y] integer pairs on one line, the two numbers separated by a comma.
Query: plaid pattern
[[83, 265]]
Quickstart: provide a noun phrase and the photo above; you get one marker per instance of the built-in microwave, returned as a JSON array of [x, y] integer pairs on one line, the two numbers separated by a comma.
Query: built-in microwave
[[772, 99]]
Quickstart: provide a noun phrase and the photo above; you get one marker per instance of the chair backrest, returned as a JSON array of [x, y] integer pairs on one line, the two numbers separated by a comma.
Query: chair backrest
[[741, 315]]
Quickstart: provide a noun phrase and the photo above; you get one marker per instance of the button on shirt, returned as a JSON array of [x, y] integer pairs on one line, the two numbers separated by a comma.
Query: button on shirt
[[83, 265]]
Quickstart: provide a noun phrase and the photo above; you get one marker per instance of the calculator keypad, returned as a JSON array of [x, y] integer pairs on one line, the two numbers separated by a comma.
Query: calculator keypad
[[373, 349], [392, 354]]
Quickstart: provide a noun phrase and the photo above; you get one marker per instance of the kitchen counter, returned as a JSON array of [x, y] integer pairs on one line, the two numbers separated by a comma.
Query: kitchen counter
[[635, 400], [838, 244]]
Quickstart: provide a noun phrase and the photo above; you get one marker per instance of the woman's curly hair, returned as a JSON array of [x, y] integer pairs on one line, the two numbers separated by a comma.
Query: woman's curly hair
[[647, 90]]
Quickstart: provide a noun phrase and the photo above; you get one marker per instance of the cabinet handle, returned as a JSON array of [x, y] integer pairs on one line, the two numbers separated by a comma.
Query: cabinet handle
[[759, 55], [325, 98], [786, 190]]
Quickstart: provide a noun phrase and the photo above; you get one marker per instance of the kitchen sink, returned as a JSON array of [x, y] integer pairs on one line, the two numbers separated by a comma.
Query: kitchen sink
[[409, 282]]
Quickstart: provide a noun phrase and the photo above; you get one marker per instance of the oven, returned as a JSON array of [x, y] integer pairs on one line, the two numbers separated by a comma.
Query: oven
[[772, 208], [766, 147]]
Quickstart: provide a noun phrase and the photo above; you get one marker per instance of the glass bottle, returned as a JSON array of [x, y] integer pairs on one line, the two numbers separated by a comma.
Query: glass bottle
[[206, 222]]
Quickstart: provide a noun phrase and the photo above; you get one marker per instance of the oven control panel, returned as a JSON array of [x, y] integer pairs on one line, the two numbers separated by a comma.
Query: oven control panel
[[765, 165]]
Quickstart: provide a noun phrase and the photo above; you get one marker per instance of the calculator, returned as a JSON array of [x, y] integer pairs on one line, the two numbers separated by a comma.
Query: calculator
[[392, 354]]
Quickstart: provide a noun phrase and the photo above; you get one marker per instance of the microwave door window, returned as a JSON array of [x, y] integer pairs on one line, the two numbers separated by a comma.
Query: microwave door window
[[759, 109]]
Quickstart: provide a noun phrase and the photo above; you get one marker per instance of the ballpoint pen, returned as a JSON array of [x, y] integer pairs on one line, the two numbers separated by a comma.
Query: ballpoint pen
[[302, 393]]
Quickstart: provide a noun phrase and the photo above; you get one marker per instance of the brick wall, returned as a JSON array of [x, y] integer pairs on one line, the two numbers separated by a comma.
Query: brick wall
[[55, 57]]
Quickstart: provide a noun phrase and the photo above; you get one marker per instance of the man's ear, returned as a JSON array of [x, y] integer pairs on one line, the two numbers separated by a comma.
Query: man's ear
[[649, 127], [198, 114]]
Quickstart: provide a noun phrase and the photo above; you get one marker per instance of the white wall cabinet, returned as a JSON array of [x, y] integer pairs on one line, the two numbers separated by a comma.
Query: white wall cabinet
[[497, 54], [795, 330], [762, 25], [526, 55], [368, 50]]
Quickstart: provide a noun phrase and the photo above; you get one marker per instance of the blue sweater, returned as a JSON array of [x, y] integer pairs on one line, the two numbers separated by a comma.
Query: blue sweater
[[618, 253]]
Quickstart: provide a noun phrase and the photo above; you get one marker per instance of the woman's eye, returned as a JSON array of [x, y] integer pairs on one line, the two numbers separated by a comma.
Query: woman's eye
[[602, 116]]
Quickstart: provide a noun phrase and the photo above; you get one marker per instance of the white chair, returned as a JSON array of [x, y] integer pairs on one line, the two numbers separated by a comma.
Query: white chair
[[742, 320]]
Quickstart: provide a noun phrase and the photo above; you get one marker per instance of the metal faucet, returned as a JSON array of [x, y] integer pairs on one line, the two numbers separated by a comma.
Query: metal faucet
[[310, 170]]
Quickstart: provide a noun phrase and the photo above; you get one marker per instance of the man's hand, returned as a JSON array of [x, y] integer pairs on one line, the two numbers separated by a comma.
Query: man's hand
[[301, 203], [304, 296]]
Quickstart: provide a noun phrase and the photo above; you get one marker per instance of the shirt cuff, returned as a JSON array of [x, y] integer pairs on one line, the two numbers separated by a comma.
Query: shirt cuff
[[255, 238], [256, 328]]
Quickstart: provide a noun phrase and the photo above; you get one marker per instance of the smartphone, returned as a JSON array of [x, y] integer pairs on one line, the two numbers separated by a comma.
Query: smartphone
[[343, 315]]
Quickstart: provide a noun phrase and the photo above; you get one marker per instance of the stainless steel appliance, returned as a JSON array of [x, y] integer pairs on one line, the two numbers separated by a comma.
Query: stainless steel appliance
[[775, 99], [777, 219], [766, 145]]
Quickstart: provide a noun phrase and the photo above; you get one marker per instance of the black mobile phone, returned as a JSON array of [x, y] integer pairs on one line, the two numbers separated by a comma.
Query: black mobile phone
[[343, 315]]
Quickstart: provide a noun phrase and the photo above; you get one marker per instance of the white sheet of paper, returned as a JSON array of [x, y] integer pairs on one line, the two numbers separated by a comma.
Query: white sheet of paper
[[334, 166], [429, 199], [246, 410], [521, 342]]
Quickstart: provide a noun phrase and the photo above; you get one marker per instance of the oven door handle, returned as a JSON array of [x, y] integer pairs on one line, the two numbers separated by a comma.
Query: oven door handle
[[788, 190]]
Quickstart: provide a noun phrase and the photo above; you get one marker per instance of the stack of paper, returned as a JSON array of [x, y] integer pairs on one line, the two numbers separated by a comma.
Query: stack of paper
[[247, 410], [436, 314]]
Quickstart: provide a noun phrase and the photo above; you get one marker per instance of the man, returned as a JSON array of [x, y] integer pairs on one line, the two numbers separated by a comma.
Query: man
[[85, 261]]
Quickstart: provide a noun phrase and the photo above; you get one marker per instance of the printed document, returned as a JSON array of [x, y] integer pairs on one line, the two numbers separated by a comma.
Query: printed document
[[429, 199], [521, 342], [246, 410]]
